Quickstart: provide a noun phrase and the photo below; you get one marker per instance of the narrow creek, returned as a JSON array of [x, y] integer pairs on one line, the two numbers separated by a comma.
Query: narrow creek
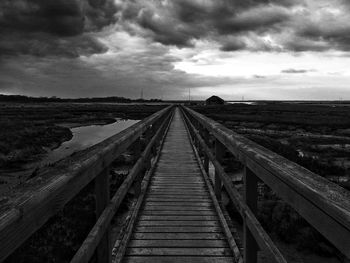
[[86, 136]]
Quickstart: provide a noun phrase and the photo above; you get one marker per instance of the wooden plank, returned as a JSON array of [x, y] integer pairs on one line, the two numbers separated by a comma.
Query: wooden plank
[[177, 236], [178, 184], [178, 223], [184, 251], [204, 213], [176, 208], [187, 192], [177, 259], [177, 217], [178, 229], [177, 203], [179, 243], [178, 200], [176, 187], [177, 196]]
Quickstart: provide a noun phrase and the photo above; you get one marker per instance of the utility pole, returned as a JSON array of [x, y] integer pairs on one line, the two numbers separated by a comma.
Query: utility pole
[[189, 94], [141, 93]]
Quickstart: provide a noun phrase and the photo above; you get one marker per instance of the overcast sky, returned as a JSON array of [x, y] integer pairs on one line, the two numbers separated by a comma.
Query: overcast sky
[[259, 49]]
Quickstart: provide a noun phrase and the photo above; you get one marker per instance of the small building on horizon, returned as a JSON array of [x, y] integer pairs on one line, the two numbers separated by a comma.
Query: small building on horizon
[[214, 100]]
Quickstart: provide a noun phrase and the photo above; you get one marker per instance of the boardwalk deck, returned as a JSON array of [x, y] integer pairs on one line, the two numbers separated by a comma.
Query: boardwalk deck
[[177, 221]]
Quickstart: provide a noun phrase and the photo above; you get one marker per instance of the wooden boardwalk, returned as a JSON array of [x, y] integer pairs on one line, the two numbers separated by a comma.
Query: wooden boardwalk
[[177, 221]]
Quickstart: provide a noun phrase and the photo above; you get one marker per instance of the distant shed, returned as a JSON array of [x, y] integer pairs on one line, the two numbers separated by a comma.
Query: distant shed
[[214, 100]]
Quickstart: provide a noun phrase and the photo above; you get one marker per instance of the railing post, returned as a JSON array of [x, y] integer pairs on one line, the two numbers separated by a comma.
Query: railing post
[[251, 199], [219, 154], [206, 158], [136, 148], [138, 179], [102, 198]]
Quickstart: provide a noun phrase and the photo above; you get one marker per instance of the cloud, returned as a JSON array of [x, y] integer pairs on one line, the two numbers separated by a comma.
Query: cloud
[[180, 22], [58, 17], [130, 64], [296, 26], [289, 25], [53, 27], [296, 71], [40, 44], [259, 77]]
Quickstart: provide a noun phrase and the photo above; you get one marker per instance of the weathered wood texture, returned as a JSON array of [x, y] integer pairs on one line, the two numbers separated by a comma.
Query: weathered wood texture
[[250, 221], [177, 221], [27, 208], [102, 197], [325, 205], [96, 234]]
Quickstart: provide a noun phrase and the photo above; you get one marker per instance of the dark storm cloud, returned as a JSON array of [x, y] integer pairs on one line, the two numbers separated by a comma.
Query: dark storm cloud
[[336, 35], [179, 22], [65, 77], [59, 17], [43, 44], [233, 45], [297, 26], [52, 27], [259, 19], [234, 24]]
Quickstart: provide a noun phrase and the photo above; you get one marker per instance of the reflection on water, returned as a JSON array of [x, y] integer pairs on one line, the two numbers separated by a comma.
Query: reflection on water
[[242, 102], [87, 136]]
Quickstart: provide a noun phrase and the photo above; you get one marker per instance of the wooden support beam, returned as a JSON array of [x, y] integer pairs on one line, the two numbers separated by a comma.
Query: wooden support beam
[[136, 147], [103, 250], [251, 199], [136, 187], [206, 158], [137, 184], [219, 154]]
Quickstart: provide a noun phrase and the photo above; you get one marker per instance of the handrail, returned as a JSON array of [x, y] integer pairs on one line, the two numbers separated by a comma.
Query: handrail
[[88, 247], [27, 209], [325, 205], [121, 246], [230, 239], [261, 237]]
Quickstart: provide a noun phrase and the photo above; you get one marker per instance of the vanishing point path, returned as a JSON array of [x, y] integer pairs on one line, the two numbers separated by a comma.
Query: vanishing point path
[[177, 221]]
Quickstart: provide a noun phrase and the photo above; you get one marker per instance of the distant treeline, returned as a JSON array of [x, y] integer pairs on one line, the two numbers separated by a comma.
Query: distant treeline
[[21, 98]]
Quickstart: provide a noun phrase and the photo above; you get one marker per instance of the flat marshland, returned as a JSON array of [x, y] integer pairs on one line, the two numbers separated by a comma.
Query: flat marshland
[[29, 131], [314, 136]]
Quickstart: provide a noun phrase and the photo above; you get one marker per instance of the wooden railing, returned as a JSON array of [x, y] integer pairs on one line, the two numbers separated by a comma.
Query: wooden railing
[[24, 211], [325, 205]]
